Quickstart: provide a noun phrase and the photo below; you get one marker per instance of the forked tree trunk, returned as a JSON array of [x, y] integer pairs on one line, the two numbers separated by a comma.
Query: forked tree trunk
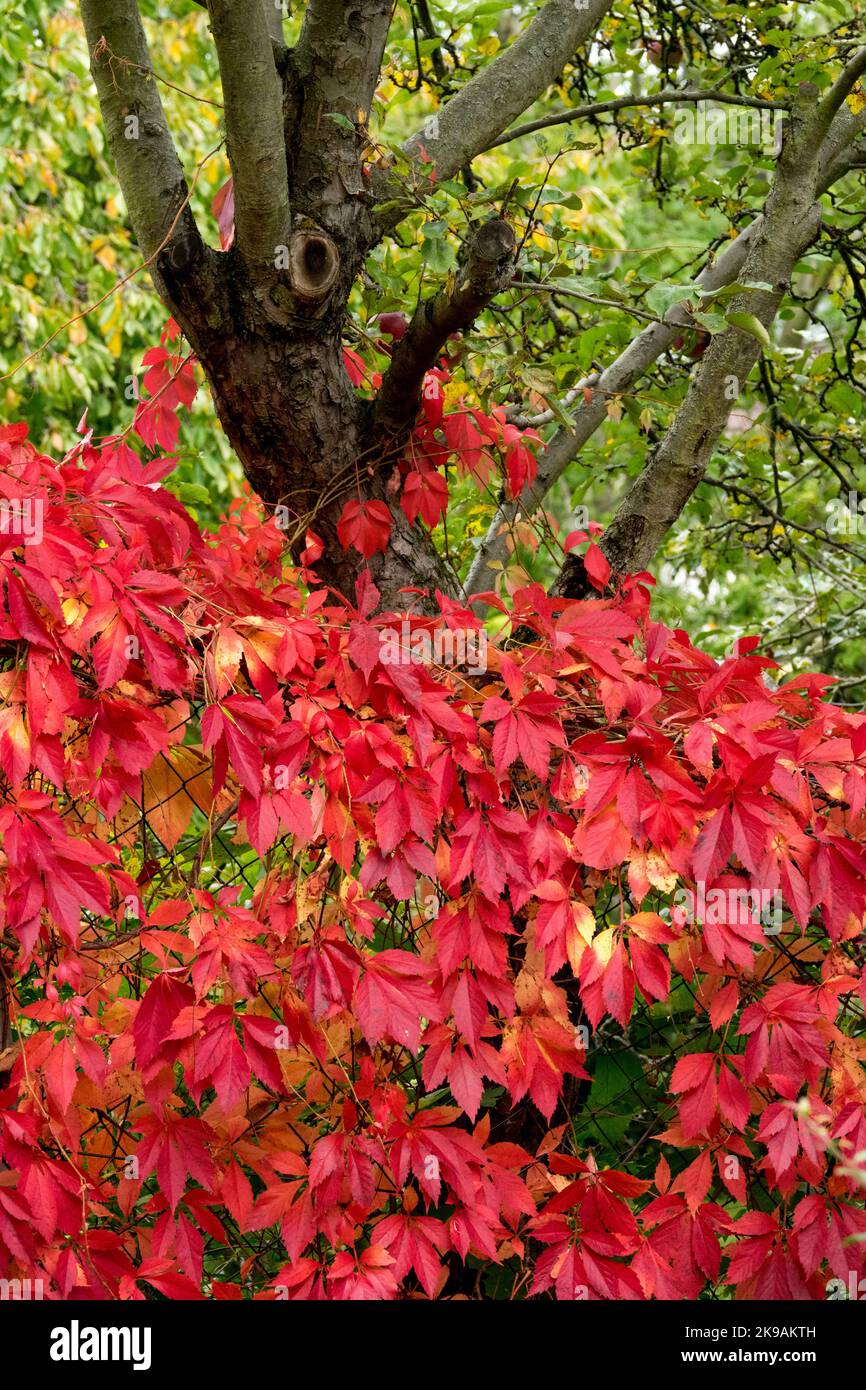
[[312, 198]]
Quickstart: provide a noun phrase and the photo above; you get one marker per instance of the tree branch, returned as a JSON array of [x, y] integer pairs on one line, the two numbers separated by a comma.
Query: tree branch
[[343, 43], [599, 108], [150, 174], [838, 154], [274, 21], [487, 270], [252, 94]]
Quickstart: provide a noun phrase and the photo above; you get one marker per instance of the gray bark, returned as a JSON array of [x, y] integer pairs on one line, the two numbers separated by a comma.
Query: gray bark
[[501, 92], [253, 99]]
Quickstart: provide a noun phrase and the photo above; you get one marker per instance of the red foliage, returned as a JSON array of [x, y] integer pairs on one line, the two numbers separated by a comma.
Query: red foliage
[[451, 872]]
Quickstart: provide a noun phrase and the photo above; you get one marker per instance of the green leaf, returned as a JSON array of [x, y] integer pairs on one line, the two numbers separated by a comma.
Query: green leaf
[[734, 288], [713, 323], [340, 120], [438, 252], [747, 323], [665, 295]]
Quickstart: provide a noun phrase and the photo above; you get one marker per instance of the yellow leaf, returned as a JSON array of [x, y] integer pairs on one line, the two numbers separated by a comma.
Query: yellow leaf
[[659, 872], [179, 782], [604, 945], [74, 609], [579, 934], [228, 651]]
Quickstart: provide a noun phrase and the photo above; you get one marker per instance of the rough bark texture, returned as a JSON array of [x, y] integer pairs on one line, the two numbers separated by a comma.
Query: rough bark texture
[[487, 269]]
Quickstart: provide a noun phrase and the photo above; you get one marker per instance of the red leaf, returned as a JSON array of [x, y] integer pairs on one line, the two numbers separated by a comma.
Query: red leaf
[[366, 526], [60, 1074], [223, 209], [597, 567], [424, 494], [392, 997]]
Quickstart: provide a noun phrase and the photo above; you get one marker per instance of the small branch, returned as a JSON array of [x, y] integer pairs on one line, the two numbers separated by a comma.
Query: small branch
[[252, 94], [487, 270], [599, 108], [515, 415], [106, 943], [543, 287], [737, 489]]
